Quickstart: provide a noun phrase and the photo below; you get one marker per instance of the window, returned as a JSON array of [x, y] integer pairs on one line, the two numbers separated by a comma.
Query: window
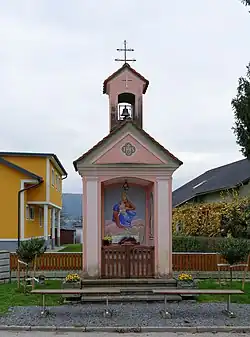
[[41, 217], [53, 177], [56, 181], [59, 184], [30, 212]]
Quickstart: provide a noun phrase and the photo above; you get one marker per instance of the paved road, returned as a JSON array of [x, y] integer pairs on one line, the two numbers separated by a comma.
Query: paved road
[[86, 334]]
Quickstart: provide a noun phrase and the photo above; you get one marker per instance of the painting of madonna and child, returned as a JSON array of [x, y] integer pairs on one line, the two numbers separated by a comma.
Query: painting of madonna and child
[[124, 213]]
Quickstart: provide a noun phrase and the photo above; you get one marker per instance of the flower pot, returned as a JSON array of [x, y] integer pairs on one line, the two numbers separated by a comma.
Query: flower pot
[[105, 242], [72, 285], [187, 285]]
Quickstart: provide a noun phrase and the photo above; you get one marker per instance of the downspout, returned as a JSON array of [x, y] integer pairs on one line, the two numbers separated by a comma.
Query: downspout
[[18, 207], [66, 175]]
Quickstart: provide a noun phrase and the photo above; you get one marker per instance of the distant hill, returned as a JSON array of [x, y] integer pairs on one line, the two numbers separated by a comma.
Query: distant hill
[[72, 205]]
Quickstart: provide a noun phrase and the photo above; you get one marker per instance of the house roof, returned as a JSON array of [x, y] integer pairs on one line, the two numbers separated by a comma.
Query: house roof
[[117, 72], [218, 179], [119, 128], [20, 169], [36, 154]]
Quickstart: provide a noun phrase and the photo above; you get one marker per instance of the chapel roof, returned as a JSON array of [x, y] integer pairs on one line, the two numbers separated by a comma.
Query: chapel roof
[[119, 128], [118, 71]]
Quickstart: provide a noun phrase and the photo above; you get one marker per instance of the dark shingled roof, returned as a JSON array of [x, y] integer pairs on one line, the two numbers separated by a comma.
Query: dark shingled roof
[[117, 72], [119, 128], [20, 169], [35, 154], [218, 179]]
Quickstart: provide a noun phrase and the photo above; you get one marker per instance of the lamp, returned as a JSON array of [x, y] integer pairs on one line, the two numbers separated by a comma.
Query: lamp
[[125, 186]]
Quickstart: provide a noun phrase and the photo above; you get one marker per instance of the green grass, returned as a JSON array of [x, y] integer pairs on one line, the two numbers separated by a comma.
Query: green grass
[[74, 248], [10, 295], [213, 284]]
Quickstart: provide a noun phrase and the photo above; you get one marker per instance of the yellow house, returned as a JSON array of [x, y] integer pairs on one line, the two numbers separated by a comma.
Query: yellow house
[[30, 198]]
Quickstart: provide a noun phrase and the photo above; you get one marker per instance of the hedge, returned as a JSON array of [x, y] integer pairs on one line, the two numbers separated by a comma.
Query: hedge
[[213, 219], [197, 244]]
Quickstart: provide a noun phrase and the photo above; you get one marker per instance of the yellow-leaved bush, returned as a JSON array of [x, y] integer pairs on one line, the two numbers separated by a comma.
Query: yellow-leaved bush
[[204, 219]]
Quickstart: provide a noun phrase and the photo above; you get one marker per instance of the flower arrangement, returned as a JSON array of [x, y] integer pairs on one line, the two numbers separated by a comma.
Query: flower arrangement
[[108, 238], [185, 277], [72, 278]]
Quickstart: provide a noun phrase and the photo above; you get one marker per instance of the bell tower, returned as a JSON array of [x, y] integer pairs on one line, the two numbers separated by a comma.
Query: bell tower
[[125, 88]]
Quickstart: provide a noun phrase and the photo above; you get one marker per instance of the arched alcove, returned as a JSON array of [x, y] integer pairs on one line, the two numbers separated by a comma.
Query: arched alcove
[[126, 100]]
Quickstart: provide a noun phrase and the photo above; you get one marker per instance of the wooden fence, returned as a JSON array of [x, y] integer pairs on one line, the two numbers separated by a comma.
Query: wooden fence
[[53, 261], [73, 261]]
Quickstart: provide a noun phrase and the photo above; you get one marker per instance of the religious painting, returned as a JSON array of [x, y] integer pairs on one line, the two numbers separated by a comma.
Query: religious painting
[[124, 213]]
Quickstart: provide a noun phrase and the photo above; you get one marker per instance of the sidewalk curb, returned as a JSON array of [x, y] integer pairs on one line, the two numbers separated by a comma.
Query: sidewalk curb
[[111, 329]]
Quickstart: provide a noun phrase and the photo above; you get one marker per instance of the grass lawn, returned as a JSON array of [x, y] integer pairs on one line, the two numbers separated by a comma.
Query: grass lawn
[[74, 248], [11, 296], [212, 284]]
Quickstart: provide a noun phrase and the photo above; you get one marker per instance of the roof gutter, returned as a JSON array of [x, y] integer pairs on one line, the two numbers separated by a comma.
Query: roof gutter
[[66, 175], [40, 181]]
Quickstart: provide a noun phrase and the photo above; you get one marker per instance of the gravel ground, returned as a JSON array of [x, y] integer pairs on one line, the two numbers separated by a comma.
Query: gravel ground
[[86, 334], [129, 314]]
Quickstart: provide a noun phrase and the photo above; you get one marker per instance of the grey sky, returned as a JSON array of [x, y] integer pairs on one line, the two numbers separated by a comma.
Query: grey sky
[[55, 55]]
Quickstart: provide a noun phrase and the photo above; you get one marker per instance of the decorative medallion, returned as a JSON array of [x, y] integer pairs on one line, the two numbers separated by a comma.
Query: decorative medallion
[[128, 149]]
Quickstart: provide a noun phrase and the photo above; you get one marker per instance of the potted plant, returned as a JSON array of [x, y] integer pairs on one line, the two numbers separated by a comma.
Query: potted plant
[[107, 240], [185, 281], [72, 281]]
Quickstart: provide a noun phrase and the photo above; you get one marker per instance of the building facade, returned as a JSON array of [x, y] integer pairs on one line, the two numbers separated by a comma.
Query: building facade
[[31, 197], [127, 181]]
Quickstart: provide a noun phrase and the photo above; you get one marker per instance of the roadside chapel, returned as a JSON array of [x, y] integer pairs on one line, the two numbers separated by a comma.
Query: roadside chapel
[[127, 189]]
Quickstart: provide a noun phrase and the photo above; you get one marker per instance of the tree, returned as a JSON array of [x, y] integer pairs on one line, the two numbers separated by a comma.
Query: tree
[[246, 2], [241, 109], [31, 249], [234, 251], [27, 253]]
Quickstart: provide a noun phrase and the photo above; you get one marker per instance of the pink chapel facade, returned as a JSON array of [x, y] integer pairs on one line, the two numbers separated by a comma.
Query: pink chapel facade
[[127, 181]]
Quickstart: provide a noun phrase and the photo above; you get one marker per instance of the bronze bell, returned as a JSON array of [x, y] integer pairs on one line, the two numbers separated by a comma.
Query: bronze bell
[[125, 113]]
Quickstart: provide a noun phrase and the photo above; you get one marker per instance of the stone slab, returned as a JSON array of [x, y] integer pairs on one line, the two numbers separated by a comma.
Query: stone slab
[[4, 255], [4, 269], [130, 330], [4, 276], [4, 262]]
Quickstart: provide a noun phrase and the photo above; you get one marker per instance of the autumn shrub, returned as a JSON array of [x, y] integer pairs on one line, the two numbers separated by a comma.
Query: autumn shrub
[[213, 219]]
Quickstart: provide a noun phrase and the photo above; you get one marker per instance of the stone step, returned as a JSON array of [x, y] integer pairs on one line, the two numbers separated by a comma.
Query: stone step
[[135, 283], [142, 290], [131, 298]]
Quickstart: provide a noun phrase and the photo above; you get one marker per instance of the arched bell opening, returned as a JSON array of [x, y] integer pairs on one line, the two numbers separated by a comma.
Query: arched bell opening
[[126, 106]]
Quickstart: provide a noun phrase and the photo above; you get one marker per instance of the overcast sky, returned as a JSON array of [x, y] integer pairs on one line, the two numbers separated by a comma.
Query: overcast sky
[[55, 55]]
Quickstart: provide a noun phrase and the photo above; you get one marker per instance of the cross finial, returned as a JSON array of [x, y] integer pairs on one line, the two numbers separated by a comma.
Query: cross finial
[[125, 50]]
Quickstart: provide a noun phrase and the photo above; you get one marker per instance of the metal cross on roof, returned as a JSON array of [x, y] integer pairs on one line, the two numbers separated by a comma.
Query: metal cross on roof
[[125, 50]]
